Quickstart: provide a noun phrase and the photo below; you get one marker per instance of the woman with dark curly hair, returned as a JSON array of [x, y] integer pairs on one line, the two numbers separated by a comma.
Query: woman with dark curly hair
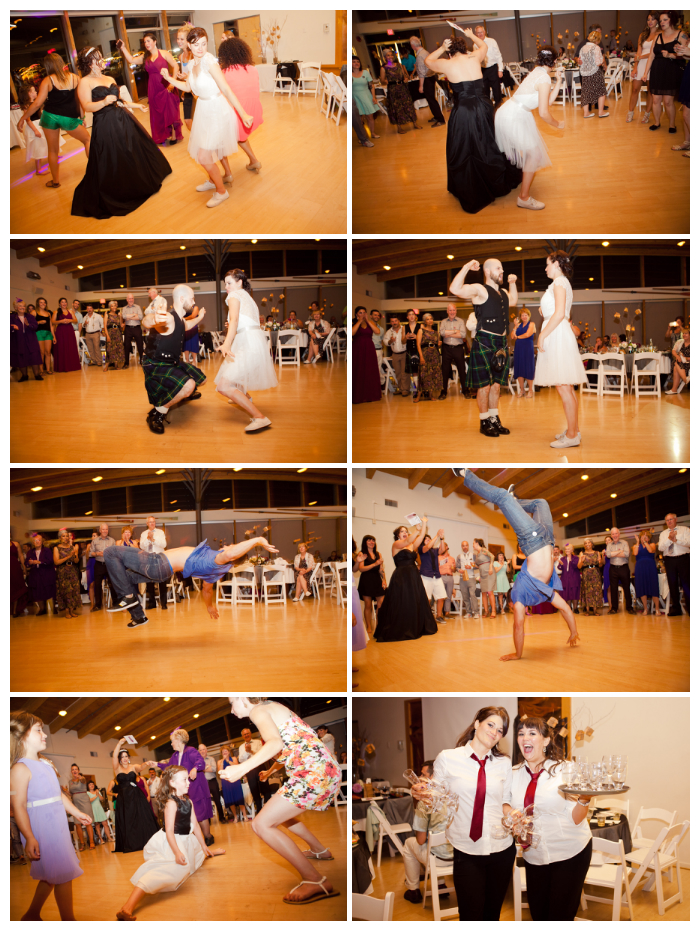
[[516, 131], [125, 166], [236, 60], [558, 359]]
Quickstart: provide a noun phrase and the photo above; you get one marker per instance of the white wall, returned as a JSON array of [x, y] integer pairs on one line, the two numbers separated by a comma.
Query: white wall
[[446, 719], [361, 285], [638, 727], [20, 519], [65, 748], [383, 721], [303, 35], [52, 286]]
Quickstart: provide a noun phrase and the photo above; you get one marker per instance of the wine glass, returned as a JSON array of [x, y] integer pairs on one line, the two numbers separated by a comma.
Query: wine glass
[[568, 771], [618, 777]]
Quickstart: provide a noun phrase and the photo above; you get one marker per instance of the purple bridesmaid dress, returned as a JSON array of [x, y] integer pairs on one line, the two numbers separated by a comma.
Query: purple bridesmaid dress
[[163, 105]]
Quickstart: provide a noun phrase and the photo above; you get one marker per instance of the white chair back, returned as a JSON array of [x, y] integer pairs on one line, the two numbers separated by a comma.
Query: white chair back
[[326, 94], [388, 830], [591, 386], [612, 367], [609, 871], [367, 908], [664, 817], [341, 583], [437, 870], [245, 589], [327, 344], [288, 340], [274, 588], [309, 77], [647, 364]]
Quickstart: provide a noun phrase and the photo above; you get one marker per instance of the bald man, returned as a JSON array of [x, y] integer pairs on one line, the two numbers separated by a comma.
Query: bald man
[[168, 379], [488, 363]]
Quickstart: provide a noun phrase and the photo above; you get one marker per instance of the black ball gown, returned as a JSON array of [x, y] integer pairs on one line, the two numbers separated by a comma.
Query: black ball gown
[[134, 821], [405, 612], [125, 166], [477, 171]]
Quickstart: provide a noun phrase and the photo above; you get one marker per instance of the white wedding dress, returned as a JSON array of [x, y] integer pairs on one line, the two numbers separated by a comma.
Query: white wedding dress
[[517, 135], [214, 133], [251, 368], [560, 363]]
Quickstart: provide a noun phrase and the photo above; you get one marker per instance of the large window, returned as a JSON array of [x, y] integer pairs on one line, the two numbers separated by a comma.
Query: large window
[[171, 271], [31, 39], [99, 32]]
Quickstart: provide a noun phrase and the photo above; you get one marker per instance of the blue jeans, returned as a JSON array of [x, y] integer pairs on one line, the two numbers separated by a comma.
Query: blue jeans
[[128, 566], [531, 519]]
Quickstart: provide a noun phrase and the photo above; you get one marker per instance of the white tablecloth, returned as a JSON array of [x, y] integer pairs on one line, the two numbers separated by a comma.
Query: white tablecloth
[[266, 74], [16, 137]]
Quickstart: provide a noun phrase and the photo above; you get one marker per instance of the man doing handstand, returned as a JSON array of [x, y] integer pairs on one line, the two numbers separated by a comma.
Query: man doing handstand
[[537, 581]]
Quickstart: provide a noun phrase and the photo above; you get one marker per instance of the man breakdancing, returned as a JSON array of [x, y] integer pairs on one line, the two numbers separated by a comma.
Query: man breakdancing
[[537, 581], [488, 363], [168, 379], [128, 566]]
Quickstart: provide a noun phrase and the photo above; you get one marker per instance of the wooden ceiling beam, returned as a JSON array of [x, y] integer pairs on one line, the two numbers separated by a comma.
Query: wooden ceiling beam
[[415, 477], [75, 713], [26, 249], [597, 491], [108, 717], [208, 710], [650, 489], [452, 484], [145, 711], [174, 710], [370, 473], [34, 705]]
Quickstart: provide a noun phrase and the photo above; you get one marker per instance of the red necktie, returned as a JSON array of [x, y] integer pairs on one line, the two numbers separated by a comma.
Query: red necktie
[[477, 828], [530, 792]]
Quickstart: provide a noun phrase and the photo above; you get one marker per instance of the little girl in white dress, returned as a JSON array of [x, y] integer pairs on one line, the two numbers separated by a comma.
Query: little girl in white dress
[[558, 360], [247, 364]]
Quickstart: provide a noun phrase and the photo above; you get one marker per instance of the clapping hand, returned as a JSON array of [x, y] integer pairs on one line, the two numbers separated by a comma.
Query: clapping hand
[[512, 279]]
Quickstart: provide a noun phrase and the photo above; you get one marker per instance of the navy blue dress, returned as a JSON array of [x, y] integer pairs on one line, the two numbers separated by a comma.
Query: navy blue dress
[[524, 356], [646, 576]]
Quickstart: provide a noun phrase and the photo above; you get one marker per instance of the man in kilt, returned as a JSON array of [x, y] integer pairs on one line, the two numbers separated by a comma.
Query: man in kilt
[[169, 380], [488, 363]]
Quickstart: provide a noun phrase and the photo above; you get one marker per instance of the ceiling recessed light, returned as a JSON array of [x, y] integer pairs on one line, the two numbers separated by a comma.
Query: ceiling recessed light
[[311, 503], [440, 293], [238, 468], [317, 240], [196, 715], [565, 515], [591, 279], [606, 243], [160, 471], [532, 281], [682, 471], [174, 502], [63, 713], [97, 478], [302, 470], [183, 248], [41, 249], [613, 495], [682, 242], [328, 271], [584, 478], [81, 266], [225, 500], [153, 736], [518, 248], [166, 699], [450, 256], [117, 727], [387, 268], [330, 699], [88, 513], [128, 256], [607, 530], [176, 510], [253, 241], [37, 488]]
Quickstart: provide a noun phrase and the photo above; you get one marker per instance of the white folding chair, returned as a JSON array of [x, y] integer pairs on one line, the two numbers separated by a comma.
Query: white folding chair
[[575, 89], [512, 382], [176, 587], [609, 871], [660, 858], [519, 886], [273, 585], [342, 342], [436, 870], [615, 803], [284, 85], [221, 587], [386, 369], [288, 340], [216, 339], [563, 95], [614, 80], [651, 367], [83, 351], [660, 815], [327, 344], [245, 589], [340, 97], [367, 908], [341, 584], [388, 830], [326, 94], [313, 579], [612, 366], [341, 798], [642, 98], [591, 387], [326, 575], [309, 78]]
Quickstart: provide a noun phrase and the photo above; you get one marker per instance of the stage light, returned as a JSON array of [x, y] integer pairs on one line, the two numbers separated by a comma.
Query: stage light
[[97, 478], [128, 256], [41, 249], [160, 471], [606, 243], [81, 266], [63, 713], [518, 248], [387, 268], [88, 513], [564, 515], [166, 699], [450, 257], [311, 503], [117, 727], [253, 241], [224, 500], [302, 470], [584, 478], [681, 243], [613, 495], [37, 488], [682, 471]]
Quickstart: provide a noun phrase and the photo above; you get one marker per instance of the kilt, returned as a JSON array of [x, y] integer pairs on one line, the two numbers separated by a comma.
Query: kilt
[[164, 381], [484, 348]]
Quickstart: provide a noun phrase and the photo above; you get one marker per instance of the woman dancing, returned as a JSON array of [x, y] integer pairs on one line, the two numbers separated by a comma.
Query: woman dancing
[[405, 612], [40, 810], [65, 353], [65, 558], [399, 105], [247, 365], [163, 102], [114, 341], [24, 346], [430, 371], [363, 95], [185, 61], [238, 66], [558, 360], [134, 822], [214, 134], [516, 131], [36, 146], [60, 113], [174, 853], [314, 779], [125, 166], [477, 173], [664, 70], [100, 817], [641, 60]]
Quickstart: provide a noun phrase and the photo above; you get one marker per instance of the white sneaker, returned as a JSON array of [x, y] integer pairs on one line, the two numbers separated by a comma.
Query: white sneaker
[[560, 436], [306, 362], [217, 199], [565, 442], [206, 186], [295, 599], [315, 360], [671, 392], [258, 423], [530, 204]]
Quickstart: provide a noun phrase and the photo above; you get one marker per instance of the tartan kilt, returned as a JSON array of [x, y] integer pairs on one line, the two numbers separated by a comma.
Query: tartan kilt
[[164, 381], [484, 348]]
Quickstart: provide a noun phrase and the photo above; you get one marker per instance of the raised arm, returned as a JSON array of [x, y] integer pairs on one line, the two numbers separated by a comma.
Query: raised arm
[[196, 320], [272, 745], [433, 61], [512, 291], [467, 291], [132, 59], [482, 48]]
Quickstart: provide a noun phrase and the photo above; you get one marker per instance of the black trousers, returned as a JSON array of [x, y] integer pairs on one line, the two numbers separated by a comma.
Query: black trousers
[[678, 573], [454, 355], [620, 575], [481, 883], [259, 790], [216, 796], [99, 574], [132, 333], [554, 889], [492, 80], [429, 94], [151, 594]]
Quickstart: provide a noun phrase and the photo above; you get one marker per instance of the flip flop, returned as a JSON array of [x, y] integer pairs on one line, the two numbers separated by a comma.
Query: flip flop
[[312, 855], [324, 894]]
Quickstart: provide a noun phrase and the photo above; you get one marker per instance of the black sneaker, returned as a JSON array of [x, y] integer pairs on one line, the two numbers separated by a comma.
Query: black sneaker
[[504, 431], [156, 421], [131, 601], [138, 621], [459, 472], [488, 427]]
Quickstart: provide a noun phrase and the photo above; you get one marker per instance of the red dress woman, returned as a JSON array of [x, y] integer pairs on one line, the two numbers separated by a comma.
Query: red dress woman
[[65, 352], [238, 66]]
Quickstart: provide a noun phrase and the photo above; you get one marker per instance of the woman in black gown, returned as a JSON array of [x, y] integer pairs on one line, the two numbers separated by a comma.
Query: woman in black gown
[[477, 171], [134, 821], [372, 581], [405, 612], [125, 166]]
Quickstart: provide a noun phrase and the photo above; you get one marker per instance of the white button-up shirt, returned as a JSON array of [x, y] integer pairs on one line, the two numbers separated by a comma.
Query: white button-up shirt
[[561, 839], [465, 561], [398, 344], [243, 753], [159, 542], [458, 769], [493, 56], [682, 544]]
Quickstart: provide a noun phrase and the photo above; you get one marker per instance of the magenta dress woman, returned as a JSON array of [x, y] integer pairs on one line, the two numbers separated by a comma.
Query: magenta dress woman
[[65, 352], [366, 385], [163, 101]]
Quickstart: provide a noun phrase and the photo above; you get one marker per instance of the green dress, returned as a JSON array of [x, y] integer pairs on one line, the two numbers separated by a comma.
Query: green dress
[[362, 95]]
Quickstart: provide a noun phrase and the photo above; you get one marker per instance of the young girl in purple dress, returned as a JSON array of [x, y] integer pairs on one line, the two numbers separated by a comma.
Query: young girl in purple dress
[[40, 809]]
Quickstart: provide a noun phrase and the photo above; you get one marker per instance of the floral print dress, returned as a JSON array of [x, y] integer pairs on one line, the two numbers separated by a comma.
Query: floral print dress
[[591, 586], [67, 584], [430, 373], [115, 344], [314, 776]]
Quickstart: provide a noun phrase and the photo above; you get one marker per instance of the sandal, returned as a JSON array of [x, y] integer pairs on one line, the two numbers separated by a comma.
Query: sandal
[[312, 855], [52, 184], [123, 916], [324, 894], [680, 148]]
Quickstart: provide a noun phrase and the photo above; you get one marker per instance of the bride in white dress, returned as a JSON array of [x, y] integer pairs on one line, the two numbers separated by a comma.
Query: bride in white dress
[[517, 135], [247, 364], [214, 133], [558, 359]]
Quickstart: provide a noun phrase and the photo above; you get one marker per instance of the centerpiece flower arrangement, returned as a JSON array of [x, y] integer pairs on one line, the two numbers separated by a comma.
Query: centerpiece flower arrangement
[[257, 559]]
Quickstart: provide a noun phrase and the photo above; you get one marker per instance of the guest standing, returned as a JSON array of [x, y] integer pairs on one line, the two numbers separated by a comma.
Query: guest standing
[[646, 578], [134, 821], [77, 790], [212, 781], [502, 583], [588, 562], [114, 340], [426, 81], [399, 104], [153, 540], [163, 102], [619, 553], [453, 334], [523, 334], [606, 575], [184, 61], [491, 66], [232, 791], [97, 548], [100, 817], [24, 346], [45, 334], [592, 78], [411, 336], [372, 581], [366, 385], [65, 557], [683, 51], [664, 68], [483, 560], [132, 315], [681, 363], [570, 577], [92, 327], [467, 584], [641, 60], [394, 340], [430, 373], [363, 94], [674, 544], [238, 66], [66, 357], [259, 791], [18, 588], [448, 566], [41, 574]]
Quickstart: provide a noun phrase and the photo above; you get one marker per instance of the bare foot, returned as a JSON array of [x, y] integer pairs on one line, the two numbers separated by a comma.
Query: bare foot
[[508, 656], [573, 640], [123, 915], [308, 891]]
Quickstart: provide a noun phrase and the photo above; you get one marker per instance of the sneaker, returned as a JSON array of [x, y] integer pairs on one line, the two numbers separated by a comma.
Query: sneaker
[[565, 443], [531, 203], [315, 360], [306, 362], [258, 423], [441, 620], [138, 621], [560, 436], [217, 199], [459, 472], [206, 186], [509, 490], [131, 601]]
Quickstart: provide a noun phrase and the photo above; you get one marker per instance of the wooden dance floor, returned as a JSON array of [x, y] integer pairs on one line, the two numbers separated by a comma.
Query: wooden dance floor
[[182, 648], [614, 430], [390, 878], [246, 884], [96, 416], [302, 187], [624, 652], [605, 178]]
